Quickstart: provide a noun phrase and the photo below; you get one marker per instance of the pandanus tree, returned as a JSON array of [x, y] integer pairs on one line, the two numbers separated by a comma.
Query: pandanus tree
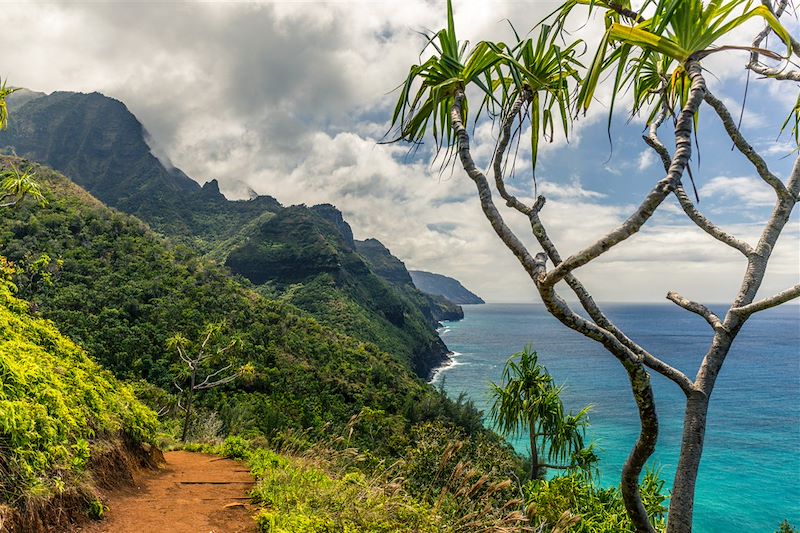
[[528, 399], [656, 53]]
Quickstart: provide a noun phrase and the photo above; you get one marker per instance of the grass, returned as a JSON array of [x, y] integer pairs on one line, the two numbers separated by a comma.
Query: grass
[[319, 491]]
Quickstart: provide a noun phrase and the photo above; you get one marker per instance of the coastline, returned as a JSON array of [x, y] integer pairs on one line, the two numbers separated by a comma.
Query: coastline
[[450, 358]]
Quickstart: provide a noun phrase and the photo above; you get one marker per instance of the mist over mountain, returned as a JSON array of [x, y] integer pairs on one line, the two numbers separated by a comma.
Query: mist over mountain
[[305, 256]]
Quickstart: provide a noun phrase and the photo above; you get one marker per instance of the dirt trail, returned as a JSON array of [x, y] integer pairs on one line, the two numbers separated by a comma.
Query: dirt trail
[[193, 493]]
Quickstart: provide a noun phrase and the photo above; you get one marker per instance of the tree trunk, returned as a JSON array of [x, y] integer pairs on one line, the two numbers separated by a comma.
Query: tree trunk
[[694, 428], [534, 453], [190, 393], [642, 450]]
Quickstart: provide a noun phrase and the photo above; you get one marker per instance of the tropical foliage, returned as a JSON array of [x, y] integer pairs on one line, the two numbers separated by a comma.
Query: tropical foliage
[[529, 400], [14, 186], [58, 408], [122, 292], [586, 508], [4, 92], [656, 55]]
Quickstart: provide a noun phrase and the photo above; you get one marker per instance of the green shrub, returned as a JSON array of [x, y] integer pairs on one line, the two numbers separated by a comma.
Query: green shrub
[[600, 510], [235, 448], [299, 496], [96, 510], [55, 404]]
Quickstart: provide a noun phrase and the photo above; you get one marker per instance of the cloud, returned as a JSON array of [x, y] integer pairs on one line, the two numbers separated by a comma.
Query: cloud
[[572, 190], [743, 191], [646, 159], [291, 99]]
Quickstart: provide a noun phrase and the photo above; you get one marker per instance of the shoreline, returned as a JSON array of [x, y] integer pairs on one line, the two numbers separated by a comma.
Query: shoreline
[[451, 362]]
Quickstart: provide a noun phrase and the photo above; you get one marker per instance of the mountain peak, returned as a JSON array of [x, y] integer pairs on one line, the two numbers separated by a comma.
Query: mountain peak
[[211, 187]]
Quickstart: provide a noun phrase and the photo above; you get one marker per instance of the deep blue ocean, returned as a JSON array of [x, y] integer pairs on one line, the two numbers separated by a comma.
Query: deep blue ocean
[[750, 473]]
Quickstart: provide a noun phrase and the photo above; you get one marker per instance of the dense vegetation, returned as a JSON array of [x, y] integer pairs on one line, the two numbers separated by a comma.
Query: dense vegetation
[[309, 261], [60, 412], [307, 255], [441, 484], [434, 307], [120, 291]]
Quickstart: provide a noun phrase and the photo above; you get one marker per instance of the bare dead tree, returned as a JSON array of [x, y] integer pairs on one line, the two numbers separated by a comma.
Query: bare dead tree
[[197, 364]]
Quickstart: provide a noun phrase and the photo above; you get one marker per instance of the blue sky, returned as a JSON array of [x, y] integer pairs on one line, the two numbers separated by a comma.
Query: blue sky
[[290, 98]]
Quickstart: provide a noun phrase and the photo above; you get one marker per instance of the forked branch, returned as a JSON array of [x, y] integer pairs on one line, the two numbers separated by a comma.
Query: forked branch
[[536, 269], [683, 143], [697, 308], [591, 307], [744, 147], [652, 140], [773, 301], [756, 66]]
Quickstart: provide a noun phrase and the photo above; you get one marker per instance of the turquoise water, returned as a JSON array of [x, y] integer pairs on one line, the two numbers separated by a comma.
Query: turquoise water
[[750, 473]]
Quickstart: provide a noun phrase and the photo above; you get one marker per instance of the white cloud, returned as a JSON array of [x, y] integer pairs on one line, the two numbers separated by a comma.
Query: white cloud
[[646, 159], [743, 191], [573, 190], [290, 99], [778, 148]]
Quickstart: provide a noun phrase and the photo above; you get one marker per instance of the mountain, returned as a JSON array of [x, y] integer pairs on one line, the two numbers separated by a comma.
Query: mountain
[[305, 256], [99, 143], [450, 288], [390, 268], [120, 291], [308, 258]]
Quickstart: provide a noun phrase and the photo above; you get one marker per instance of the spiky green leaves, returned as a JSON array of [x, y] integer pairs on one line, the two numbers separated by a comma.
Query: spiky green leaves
[[538, 68], [16, 185], [649, 54], [529, 400], [543, 69], [450, 68], [794, 119], [4, 92], [645, 52]]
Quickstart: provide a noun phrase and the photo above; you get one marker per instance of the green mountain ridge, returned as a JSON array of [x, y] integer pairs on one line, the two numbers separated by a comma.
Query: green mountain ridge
[[307, 261], [123, 290], [435, 307], [100, 145]]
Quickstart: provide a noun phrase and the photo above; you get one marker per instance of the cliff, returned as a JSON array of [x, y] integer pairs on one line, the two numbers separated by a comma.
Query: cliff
[[450, 288]]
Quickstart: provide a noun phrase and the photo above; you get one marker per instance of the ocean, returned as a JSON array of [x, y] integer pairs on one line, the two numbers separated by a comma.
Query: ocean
[[750, 472]]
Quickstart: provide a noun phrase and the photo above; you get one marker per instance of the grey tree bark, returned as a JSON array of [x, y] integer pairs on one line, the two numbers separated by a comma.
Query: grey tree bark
[[635, 359]]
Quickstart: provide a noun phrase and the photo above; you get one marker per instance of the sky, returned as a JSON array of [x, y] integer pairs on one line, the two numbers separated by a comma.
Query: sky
[[291, 99]]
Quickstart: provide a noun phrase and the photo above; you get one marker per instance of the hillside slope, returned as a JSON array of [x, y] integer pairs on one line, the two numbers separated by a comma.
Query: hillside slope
[[436, 308], [311, 264], [122, 291], [66, 425], [100, 145]]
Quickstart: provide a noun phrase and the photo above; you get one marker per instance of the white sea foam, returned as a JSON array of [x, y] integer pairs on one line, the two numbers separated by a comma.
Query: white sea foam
[[451, 363]]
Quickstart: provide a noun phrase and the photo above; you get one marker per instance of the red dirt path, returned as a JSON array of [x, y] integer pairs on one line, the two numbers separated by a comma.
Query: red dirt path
[[193, 493]]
